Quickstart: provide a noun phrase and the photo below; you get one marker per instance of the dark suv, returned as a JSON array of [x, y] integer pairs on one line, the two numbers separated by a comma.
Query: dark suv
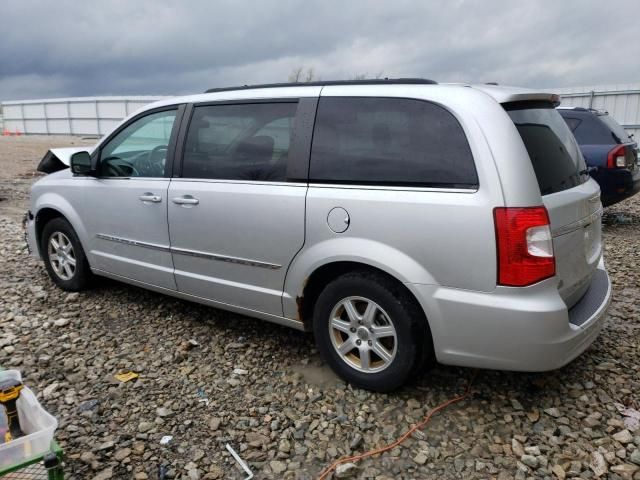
[[610, 153]]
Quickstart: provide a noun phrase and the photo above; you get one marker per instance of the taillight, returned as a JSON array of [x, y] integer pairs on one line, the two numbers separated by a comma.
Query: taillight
[[616, 157], [524, 245]]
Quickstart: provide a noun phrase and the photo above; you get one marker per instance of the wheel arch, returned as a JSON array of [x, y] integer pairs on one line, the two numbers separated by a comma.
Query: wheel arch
[[327, 272], [50, 206]]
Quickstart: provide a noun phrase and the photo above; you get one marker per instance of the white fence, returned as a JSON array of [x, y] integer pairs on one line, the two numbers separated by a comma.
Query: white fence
[[621, 101], [70, 116]]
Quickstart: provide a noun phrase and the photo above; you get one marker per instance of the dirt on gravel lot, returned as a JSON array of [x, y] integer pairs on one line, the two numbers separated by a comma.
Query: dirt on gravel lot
[[208, 377]]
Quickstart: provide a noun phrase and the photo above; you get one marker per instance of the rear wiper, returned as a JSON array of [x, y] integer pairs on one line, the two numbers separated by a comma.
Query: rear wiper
[[588, 171]]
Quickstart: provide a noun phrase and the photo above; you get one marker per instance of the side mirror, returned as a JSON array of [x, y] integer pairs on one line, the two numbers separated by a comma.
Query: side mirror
[[81, 163]]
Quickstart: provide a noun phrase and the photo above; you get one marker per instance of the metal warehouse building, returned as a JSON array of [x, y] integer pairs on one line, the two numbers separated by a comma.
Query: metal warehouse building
[[70, 116], [621, 101], [98, 115]]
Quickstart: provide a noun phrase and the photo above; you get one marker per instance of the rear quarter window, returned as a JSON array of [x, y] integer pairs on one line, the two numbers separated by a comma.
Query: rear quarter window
[[554, 154], [389, 141]]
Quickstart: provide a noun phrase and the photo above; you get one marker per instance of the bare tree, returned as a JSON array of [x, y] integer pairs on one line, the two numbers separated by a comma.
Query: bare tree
[[298, 75], [365, 75], [295, 74]]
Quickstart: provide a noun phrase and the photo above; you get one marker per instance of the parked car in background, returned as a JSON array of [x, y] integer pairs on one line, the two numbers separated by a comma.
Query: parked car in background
[[610, 153], [399, 220]]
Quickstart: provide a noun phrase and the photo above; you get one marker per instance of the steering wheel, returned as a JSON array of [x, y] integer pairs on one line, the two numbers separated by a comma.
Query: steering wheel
[[115, 170], [156, 152]]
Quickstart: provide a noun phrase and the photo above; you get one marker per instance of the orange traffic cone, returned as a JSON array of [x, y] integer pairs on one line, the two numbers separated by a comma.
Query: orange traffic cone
[[18, 132], [6, 133]]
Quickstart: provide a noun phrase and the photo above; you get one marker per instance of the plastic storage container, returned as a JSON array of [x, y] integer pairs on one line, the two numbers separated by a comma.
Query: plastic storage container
[[36, 423]]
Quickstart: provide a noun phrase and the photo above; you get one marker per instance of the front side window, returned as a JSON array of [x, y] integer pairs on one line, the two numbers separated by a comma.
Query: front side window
[[239, 142], [389, 141], [140, 150]]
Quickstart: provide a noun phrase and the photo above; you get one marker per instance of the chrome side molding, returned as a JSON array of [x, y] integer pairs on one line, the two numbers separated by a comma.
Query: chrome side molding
[[191, 253]]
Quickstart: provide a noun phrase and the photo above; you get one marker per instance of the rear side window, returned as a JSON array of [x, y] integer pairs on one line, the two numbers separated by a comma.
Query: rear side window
[[389, 141], [239, 142], [554, 154]]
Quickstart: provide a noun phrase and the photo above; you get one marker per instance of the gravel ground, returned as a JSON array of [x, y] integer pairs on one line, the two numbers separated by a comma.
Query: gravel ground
[[208, 377]]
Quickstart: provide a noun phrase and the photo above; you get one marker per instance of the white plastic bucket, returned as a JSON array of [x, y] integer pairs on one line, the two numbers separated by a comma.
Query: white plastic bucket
[[36, 423]]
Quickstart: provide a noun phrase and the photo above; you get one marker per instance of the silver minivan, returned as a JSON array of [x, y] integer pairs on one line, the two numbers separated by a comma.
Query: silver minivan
[[402, 221]]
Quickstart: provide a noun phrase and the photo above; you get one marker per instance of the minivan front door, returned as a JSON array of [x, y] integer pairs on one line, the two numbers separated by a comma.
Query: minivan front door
[[236, 218], [125, 210]]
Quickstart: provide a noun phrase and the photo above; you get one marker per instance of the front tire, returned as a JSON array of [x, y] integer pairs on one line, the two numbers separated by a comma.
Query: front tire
[[64, 256], [370, 331]]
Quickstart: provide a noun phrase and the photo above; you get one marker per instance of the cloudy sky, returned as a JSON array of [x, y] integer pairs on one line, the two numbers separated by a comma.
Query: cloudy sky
[[118, 47]]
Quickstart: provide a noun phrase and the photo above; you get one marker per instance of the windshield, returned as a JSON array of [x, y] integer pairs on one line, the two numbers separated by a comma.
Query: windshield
[[554, 153]]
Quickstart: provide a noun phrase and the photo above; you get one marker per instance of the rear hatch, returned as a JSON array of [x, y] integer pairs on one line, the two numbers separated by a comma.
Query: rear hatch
[[571, 198], [621, 137]]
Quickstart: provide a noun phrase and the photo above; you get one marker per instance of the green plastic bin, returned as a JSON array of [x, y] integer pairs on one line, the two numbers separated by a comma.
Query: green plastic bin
[[46, 466]]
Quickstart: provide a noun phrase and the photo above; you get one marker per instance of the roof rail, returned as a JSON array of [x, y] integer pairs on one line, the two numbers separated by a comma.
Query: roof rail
[[376, 81]]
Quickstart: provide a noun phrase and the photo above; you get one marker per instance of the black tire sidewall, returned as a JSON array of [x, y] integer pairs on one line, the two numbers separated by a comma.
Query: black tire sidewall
[[82, 274], [400, 313]]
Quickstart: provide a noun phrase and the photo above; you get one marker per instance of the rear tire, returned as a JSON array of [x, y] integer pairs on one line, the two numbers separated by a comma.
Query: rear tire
[[64, 256], [370, 331]]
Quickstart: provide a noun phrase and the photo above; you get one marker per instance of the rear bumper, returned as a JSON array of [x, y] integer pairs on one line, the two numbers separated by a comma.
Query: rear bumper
[[617, 184], [522, 329]]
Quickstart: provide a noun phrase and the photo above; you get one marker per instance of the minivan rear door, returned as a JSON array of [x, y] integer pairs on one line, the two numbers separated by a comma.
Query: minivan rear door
[[570, 196]]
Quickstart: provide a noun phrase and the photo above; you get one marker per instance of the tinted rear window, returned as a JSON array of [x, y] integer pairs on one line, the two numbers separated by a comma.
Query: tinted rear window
[[389, 141], [554, 154], [615, 127], [590, 129]]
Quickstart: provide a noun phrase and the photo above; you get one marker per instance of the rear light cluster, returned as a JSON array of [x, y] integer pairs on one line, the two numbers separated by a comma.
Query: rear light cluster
[[524, 245], [616, 158]]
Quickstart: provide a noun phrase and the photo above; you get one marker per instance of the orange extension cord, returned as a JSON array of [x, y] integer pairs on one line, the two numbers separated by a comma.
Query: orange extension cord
[[325, 473]]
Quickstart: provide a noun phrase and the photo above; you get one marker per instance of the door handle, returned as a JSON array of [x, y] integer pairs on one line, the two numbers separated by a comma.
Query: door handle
[[185, 200], [150, 197]]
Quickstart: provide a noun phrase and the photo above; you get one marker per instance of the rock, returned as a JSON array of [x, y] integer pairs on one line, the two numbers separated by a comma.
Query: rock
[[277, 466], [256, 439], [625, 469], [516, 404], [145, 426], [420, 458], [193, 474], [122, 454], [553, 412], [163, 412], [105, 474], [240, 371], [214, 423], [71, 297], [356, 441], [346, 470], [529, 461], [517, 448], [598, 464], [623, 436], [61, 322], [284, 446], [532, 450], [635, 457], [87, 457], [558, 471]]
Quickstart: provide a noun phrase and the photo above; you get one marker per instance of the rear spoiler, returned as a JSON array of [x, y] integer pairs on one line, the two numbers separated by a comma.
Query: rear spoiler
[[515, 94], [59, 158]]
